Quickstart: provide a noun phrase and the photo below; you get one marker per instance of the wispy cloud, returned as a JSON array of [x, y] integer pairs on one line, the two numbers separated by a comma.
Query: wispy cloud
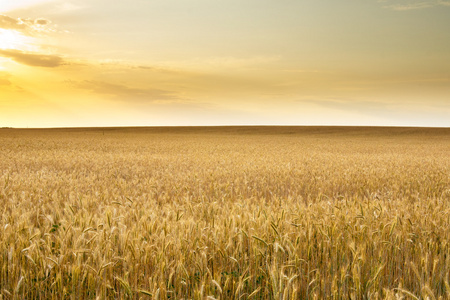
[[4, 81], [404, 5], [26, 26], [126, 93], [33, 59], [351, 105]]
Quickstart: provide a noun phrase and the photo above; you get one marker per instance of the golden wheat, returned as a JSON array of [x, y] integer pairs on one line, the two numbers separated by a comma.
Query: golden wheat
[[225, 213]]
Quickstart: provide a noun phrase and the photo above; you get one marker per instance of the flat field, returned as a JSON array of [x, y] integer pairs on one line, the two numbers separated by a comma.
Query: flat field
[[225, 213]]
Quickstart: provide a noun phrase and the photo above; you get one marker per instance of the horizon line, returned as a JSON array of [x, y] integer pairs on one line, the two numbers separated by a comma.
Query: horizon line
[[222, 126]]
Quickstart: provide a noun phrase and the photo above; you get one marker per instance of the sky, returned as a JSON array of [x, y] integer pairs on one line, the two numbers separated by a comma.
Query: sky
[[85, 63]]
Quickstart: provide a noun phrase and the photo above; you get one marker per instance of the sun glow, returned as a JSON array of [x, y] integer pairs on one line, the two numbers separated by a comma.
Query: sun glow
[[11, 39]]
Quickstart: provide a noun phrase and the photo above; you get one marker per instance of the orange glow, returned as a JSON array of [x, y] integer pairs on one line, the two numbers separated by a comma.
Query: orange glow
[[224, 63]]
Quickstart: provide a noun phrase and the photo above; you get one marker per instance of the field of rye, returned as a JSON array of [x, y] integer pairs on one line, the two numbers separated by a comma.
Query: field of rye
[[225, 213]]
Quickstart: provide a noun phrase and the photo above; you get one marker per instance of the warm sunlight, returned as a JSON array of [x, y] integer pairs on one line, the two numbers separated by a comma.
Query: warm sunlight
[[11, 39], [224, 149], [224, 62]]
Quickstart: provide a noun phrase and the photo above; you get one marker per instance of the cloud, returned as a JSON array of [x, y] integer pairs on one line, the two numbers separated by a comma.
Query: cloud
[[351, 105], [126, 93], [32, 59], [11, 23], [404, 5], [26, 26], [41, 22], [4, 81]]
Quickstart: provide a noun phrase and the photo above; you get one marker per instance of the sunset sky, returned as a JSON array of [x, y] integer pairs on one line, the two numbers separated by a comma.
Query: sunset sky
[[224, 62]]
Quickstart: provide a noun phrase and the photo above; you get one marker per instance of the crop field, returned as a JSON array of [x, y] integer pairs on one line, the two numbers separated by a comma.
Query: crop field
[[225, 213]]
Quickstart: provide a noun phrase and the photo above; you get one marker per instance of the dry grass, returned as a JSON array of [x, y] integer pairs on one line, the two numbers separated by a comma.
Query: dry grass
[[225, 213]]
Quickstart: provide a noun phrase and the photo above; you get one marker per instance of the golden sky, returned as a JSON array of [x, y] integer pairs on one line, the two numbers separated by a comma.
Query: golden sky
[[224, 62]]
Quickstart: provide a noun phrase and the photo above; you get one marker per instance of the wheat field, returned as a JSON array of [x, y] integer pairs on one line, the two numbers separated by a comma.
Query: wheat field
[[225, 213]]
